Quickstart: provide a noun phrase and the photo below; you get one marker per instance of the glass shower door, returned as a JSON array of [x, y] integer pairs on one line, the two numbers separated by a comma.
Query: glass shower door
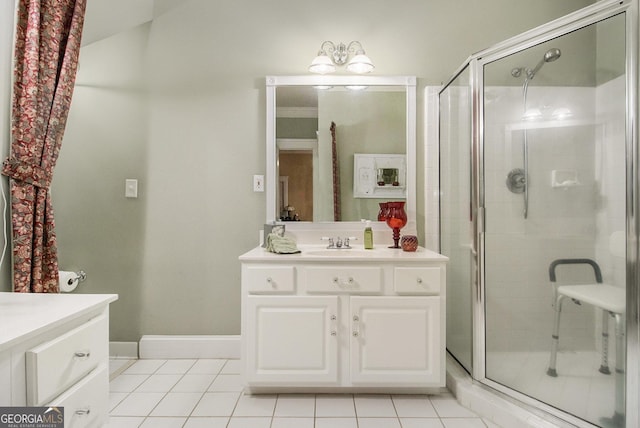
[[555, 229], [455, 221]]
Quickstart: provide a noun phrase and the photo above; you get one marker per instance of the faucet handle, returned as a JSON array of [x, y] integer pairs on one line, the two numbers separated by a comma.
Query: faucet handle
[[326, 238], [347, 240]]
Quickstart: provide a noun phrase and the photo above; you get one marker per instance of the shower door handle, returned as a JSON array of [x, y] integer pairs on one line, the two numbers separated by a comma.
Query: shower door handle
[[477, 230], [480, 268]]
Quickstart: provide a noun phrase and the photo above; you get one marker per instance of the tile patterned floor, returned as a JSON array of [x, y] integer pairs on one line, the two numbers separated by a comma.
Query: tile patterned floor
[[580, 388], [208, 393]]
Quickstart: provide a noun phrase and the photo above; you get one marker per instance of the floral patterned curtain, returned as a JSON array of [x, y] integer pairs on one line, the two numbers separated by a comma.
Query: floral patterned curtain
[[48, 34]]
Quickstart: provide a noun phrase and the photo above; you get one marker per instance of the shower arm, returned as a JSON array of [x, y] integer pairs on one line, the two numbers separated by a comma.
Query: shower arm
[[525, 152], [549, 56]]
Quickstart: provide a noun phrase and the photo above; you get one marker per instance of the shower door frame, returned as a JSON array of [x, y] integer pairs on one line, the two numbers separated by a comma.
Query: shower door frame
[[572, 22]]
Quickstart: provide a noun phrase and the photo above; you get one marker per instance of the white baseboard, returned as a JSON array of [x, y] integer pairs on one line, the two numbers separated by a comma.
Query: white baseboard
[[124, 350], [187, 346]]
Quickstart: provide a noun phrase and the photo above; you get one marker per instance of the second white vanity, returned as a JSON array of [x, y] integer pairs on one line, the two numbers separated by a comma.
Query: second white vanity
[[328, 320], [54, 352]]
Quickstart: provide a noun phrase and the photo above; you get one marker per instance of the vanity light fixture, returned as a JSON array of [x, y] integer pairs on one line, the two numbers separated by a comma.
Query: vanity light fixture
[[331, 55]]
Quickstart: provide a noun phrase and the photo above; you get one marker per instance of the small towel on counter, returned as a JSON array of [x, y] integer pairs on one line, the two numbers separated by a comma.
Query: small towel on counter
[[281, 244]]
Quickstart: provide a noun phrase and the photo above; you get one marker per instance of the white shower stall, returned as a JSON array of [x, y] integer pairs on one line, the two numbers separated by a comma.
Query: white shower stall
[[537, 183]]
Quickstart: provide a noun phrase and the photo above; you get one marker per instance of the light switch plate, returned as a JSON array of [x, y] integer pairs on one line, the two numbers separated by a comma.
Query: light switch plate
[[131, 188], [258, 183]]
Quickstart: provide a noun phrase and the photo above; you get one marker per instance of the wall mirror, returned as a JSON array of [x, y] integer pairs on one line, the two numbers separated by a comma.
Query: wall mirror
[[317, 128]]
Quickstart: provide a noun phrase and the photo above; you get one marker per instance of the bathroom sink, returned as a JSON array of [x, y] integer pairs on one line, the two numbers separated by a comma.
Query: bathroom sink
[[340, 253]]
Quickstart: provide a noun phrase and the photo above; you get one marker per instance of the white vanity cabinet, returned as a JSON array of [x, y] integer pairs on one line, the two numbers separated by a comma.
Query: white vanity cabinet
[[293, 339], [54, 351], [365, 321], [396, 341]]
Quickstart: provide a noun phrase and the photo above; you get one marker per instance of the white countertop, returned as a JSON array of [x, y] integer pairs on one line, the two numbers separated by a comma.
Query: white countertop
[[24, 315], [320, 253]]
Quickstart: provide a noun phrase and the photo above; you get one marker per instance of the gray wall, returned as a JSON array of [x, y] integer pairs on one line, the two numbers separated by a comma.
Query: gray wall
[[195, 141], [106, 141]]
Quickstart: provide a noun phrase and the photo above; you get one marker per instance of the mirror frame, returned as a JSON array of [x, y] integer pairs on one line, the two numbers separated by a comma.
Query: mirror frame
[[271, 180]]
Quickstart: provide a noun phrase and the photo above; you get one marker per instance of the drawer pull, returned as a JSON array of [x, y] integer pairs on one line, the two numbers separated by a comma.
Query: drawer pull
[[271, 281], [348, 281], [83, 412], [81, 354]]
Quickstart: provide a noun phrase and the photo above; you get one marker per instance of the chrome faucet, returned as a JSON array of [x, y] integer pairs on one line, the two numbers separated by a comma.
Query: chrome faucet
[[339, 243]]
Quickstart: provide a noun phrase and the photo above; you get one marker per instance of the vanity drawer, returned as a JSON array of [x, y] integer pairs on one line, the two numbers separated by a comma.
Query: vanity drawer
[[347, 279], [269, 279], [54, 366], [422, 280], [85, 402]]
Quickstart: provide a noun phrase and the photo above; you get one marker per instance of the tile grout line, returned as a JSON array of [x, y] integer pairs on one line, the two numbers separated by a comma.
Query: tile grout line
[[165, 394]]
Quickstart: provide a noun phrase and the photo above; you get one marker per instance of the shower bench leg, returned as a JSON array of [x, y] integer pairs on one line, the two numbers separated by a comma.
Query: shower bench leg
[[555, 337]]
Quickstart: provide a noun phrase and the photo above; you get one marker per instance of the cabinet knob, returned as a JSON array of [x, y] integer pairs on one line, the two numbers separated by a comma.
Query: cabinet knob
[[355, 334], [335, 279], [350, 280], [356, 318], [334, 333], [81, 354], [419, 280], [333, 317]]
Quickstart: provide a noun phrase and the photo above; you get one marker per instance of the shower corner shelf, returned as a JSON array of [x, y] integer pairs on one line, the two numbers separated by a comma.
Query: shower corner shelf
[[564, 179], [547, 124]]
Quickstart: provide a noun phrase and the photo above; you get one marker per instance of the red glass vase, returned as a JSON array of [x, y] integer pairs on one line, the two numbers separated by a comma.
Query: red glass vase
[[382, 214], [396, 220]]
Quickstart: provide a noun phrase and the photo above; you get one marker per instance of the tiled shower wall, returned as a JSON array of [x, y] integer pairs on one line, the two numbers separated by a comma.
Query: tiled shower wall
[[560, 222]]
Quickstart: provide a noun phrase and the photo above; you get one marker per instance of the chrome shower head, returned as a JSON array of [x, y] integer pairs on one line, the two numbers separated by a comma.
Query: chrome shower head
[[552, 55], [549, 56]]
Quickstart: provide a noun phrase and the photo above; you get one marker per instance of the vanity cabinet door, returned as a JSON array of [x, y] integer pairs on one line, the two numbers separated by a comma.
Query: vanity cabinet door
[[396, 340], [292, 340]]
